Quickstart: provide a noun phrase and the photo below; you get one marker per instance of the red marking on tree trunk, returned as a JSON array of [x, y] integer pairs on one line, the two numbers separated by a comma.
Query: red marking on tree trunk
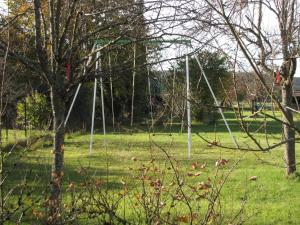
[[68, 71], [278, 78]]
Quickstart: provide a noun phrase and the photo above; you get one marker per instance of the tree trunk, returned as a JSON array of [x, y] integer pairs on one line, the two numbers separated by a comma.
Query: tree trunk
[[1, 176], [25, 119], [58, 109], [6, 129], [288, 131]]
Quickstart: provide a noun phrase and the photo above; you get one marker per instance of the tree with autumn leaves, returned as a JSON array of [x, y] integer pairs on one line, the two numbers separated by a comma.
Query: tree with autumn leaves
[[64, 34]]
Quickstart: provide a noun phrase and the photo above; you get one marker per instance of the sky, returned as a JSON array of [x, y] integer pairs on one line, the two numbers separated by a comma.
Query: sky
[[2, 5]]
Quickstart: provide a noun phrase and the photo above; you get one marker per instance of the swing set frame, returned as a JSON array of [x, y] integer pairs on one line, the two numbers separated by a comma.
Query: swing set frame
[[150, 42]]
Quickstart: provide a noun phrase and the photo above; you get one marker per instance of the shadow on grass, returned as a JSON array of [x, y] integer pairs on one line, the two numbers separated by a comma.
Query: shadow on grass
[[253, 124], [37, 174]]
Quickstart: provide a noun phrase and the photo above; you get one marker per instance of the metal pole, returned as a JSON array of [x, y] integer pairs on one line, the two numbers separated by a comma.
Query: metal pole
[[77, 91], [94, 104], [111, 92], [102, 100], [133, 84], [217, 103], [188, 104], [172, 102], [150, 95], [72, 104], [93, 117]]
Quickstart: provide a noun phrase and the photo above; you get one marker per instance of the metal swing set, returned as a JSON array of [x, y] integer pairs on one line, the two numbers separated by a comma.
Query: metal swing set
[[151, 42]]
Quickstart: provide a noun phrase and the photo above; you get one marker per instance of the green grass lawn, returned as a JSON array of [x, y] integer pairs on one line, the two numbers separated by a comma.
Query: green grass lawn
[[116, 158]]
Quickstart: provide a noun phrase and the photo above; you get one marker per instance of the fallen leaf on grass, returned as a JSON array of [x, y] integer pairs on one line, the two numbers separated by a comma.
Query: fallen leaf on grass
[[203, 166], [221, 162], [190, 174], [204, 186], [211, 144], [183, 219], [194, 165]]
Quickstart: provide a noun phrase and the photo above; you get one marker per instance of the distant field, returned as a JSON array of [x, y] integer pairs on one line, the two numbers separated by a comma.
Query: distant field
[[116, 158]]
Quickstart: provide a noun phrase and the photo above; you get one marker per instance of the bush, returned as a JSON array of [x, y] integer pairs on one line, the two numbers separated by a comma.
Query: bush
[[38, 112]]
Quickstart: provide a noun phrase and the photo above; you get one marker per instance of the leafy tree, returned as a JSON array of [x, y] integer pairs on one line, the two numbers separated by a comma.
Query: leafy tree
[[121, 74], [36, 109], [217, 71]]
